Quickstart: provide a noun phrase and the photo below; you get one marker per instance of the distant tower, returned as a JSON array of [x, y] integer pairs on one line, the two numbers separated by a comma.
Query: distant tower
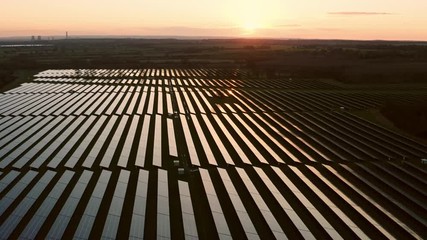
[[39, 38], [66, 35], [33, 38]]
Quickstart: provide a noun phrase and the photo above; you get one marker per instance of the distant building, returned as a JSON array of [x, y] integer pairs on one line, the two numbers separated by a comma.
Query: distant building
[[33, 38], [39, 38]]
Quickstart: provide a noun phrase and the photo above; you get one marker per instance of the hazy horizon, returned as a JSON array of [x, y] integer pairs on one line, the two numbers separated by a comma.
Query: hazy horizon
[[378, 20]]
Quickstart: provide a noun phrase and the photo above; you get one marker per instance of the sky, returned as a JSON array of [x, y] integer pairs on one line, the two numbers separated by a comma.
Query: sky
[[320, 19]]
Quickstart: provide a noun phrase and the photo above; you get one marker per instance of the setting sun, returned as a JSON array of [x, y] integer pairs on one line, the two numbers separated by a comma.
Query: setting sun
[[249, 18], [250, 27], [253, 17]]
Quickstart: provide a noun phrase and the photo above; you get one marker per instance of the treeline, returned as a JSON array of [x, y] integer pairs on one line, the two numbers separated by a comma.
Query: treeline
[[6, 76], [412, 118], [29, 62], [346, 61], [346, 69]]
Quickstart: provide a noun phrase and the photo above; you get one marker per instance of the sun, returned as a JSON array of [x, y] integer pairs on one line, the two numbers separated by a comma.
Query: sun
[[251, 22], [255, 18], [250, 27], [250, 17]]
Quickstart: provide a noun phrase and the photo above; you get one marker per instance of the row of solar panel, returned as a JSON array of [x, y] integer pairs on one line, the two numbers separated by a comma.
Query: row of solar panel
[[155, 72], [53, 86], [100, 99], [174, 82], [195, 82], [213, 139], [252, 202], [97, 161]]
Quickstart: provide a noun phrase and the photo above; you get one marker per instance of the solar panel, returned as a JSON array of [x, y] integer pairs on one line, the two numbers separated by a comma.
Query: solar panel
[[150, 107], [132, 104], [334, 208], [238, 205], [36, 222], [113, 146], [127, 147], [74, 145], [194, 158], [96, 149], [163, 218], [25, 204], [125, 102], [305, 232], [258, 155], [88, 218], [114, 104], [42, 142], [157, 151], [112, 222], [262, 206], [11, 124], [209, 154], [171, 138], [143, 141], [142, 101], [190, 229], [308, 205], [62, 220], [218, 141], [215, 206], [233, 142], [139, 210]]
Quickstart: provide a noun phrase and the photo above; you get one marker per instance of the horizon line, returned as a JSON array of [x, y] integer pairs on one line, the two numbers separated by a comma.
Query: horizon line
[[27, 38]]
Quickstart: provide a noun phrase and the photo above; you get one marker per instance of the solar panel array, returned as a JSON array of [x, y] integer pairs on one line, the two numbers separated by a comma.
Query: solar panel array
[[95, 153]]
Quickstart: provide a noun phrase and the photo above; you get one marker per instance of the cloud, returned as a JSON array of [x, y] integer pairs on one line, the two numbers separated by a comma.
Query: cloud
[[288, 25], [181, 31], [359, 13], [326, 29]]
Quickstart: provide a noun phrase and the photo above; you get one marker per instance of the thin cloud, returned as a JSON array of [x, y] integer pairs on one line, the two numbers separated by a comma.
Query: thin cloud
[[326, 29], [288, 25], [359, 13]]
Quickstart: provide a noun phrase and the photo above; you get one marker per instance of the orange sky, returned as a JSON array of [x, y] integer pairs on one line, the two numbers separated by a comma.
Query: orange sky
[[346, 19]]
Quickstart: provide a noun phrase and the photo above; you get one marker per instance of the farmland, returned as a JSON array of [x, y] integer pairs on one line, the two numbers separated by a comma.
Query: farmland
[[206, 153]]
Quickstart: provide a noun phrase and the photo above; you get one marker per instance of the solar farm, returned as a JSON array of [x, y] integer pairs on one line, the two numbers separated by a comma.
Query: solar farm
[[203, 153]]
